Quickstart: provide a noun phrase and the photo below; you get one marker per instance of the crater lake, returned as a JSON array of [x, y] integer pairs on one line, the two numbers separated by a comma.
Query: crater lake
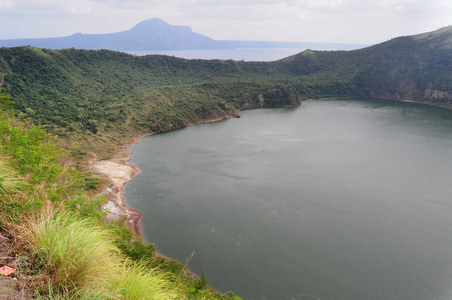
[[336, 199]]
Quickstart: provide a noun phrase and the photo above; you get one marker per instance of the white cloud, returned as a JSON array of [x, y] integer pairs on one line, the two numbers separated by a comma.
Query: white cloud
[[6, 3]]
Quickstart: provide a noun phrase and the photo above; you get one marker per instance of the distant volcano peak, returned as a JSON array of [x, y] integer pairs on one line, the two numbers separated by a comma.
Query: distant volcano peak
[[157, 24]]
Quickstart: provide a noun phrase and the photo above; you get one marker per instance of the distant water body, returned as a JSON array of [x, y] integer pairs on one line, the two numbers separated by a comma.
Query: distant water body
[[246, 54], [337, 199]]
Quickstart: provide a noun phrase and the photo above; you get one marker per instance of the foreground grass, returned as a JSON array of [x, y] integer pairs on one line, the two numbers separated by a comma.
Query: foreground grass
[[9, 180], [82, 259]]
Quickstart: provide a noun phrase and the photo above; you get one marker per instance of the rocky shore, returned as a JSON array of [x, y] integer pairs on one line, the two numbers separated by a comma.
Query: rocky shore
[[119, 173]]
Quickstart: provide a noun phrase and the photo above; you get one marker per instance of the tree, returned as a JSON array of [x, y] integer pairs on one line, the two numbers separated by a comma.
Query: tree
[[5, 103]]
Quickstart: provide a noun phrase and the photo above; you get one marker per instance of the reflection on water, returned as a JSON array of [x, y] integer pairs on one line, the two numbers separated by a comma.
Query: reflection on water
[[334, 200]]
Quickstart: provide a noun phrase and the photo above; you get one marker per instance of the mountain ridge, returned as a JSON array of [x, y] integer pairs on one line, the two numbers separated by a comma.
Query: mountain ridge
[[416, 67], [156, 34]]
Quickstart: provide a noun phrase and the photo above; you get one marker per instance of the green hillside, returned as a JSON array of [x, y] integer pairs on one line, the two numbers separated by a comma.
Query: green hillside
[[110, 93]]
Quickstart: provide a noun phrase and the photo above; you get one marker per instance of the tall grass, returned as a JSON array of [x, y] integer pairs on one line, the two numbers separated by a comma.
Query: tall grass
[[78, 252], [83, 260], [137, 282], [9, 180], [85, 293]]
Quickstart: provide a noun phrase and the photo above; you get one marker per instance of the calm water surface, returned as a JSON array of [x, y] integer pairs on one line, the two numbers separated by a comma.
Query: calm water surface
[[348, 199]]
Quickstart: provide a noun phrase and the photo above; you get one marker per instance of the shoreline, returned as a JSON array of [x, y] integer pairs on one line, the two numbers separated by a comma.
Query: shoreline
[[389, 99], [120, 172]]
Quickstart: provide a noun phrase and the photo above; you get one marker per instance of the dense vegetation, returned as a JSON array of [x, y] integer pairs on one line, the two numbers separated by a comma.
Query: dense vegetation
[[405, 68], [113, 94]]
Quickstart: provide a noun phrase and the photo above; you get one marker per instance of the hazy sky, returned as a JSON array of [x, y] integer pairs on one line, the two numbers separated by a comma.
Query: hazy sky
[[348, 21]]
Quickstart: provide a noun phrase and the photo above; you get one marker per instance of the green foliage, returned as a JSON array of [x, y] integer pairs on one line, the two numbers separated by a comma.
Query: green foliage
[[32, 150], [86, 208], [5, 103], [34, 169], [144, 254], [130, 245], [90, 182], [76, 249], [11, 208], [202, 283], [79, 152], [82, 259], [105, 92], [137, 282], [9, 180], [83, 293], [404, 68]]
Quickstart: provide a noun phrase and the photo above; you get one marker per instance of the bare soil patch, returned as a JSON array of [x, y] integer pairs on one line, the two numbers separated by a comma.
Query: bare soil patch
[[11, 286]]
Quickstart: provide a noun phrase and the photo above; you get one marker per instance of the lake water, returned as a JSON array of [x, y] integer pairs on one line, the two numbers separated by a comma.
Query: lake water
[[337, 199], [247, 54]]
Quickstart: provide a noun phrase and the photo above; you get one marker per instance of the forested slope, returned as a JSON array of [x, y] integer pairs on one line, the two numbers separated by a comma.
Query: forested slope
[[82, 88], [417, 68], [108, 94], [111, 93]]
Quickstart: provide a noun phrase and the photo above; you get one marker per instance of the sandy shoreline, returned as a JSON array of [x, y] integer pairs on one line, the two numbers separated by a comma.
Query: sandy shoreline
[[119, 172]]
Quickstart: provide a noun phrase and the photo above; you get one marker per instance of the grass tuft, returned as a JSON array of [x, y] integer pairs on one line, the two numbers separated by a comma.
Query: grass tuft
[[84, 262], [137, 282], [9, 180], [78, 251]]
